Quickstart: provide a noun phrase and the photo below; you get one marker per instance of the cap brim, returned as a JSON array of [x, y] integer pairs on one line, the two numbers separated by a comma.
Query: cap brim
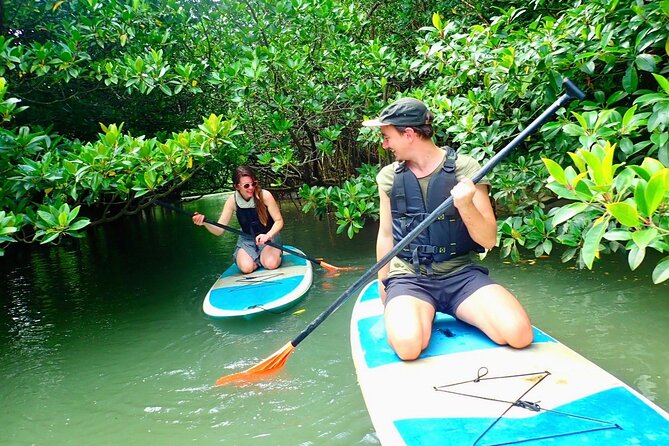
[[373, 123]]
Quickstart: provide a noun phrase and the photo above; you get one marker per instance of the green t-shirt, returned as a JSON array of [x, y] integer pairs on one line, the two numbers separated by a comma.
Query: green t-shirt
[[465, 166]]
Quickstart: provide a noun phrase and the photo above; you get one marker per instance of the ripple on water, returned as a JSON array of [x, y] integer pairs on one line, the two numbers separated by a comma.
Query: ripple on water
[[110, 342]]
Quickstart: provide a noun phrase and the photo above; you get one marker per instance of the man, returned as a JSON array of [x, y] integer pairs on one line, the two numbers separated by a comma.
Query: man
[[435, 272]]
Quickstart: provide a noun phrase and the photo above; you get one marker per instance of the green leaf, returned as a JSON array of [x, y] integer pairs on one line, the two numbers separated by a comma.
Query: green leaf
[[568, 254], [555, 170], [660, 116], [597, 172], [651, 166], [581, 119], [436, 21], [562, 191], [618, 234], [139, 64], [547, 246], [656, 190], [79, 224], [351, 231], [49, 238], [635, 257], [591, 242], [166, 89], [578, 161], [664, 83], [623, 181], [630, 80], [661, 271], [640, 197], [629, 114], [646, 62], [48, 218], [644, 237], [582, 191], [573, 130], [625, 213], [588, 67], [650, 98], [63, 218], [567, 212]]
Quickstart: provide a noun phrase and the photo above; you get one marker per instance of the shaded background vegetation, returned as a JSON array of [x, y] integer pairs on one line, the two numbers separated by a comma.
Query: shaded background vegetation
[[132, 100]]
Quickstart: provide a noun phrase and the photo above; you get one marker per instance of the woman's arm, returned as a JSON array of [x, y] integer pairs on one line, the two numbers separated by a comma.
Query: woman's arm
[[224, 219], [275, 212]]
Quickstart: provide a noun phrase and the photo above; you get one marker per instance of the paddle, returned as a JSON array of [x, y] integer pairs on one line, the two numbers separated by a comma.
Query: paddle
[[325, 265], [279, 358]]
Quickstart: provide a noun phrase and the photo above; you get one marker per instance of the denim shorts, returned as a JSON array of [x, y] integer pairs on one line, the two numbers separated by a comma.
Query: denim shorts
[[444, 293], [250, 247]]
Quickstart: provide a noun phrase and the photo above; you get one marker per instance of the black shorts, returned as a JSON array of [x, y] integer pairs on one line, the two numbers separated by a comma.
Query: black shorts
[[444, 293]]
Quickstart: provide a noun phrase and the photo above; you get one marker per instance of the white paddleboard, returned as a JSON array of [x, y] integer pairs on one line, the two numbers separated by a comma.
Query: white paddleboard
[[466, 390], [263, 291]]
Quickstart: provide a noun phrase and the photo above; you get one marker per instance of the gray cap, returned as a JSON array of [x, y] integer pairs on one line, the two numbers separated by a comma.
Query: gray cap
[[405, 112]]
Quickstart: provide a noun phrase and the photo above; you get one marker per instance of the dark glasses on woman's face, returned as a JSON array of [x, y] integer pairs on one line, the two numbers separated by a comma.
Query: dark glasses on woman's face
[[247, 185]]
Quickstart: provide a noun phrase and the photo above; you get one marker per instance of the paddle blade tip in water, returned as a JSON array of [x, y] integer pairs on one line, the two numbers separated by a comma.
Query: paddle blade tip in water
[[261, 370], [332, 268]]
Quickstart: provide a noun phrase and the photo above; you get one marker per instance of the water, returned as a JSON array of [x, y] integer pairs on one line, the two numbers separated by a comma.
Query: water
[[103, 340]]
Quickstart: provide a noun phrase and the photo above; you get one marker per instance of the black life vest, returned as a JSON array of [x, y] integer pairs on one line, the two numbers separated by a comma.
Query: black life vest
[[250, 222], [447, 236]]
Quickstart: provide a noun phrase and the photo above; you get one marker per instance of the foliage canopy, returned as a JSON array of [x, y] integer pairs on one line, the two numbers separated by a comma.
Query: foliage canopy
[[108, 104]]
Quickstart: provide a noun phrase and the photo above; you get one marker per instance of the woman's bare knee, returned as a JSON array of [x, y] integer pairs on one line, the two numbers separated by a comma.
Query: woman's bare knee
[[272, 262], [246, 267]]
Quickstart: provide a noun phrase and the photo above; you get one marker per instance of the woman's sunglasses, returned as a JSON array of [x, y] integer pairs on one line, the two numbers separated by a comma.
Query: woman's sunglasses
[[247, 185]]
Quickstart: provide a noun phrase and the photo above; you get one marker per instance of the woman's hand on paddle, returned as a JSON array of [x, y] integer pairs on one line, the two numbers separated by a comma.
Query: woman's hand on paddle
[[198, 219], [261, 239]]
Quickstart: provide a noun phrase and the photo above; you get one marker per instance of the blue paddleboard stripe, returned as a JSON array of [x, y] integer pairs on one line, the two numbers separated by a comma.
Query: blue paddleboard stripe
[[621, 418], [254, 294], [448, 336]]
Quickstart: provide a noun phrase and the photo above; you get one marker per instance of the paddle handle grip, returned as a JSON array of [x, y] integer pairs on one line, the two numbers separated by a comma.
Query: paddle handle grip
[[572, 89]]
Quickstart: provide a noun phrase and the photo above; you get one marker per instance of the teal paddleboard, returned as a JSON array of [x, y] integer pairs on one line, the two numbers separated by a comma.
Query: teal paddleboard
[[263, 291], [466, 390]]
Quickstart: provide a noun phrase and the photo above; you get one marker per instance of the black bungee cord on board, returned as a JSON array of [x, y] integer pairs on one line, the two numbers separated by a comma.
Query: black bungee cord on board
[[520, 403]]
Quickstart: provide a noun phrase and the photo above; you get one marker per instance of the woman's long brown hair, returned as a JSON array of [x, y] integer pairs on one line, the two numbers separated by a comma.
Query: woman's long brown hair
[[261, 208]]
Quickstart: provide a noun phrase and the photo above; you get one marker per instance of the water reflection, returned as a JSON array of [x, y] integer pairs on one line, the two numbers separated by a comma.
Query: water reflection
[[614, 317], [105, 337]]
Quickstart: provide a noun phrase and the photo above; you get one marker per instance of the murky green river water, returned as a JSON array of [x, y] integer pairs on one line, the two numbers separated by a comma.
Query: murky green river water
[[104, 342]]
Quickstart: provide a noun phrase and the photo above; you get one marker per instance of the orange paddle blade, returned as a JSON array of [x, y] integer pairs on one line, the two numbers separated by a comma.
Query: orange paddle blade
[[333, 268], [261, 370]]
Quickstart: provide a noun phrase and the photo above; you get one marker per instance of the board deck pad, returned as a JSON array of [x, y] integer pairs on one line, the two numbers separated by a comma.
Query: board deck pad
[[466, 390], [263, 291]]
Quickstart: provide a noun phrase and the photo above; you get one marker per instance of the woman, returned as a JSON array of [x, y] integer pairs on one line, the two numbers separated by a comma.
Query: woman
[[258, 215]]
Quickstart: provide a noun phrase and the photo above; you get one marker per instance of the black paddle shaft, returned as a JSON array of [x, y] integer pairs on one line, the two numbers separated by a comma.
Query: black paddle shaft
[[572, 92], [237, 231]]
